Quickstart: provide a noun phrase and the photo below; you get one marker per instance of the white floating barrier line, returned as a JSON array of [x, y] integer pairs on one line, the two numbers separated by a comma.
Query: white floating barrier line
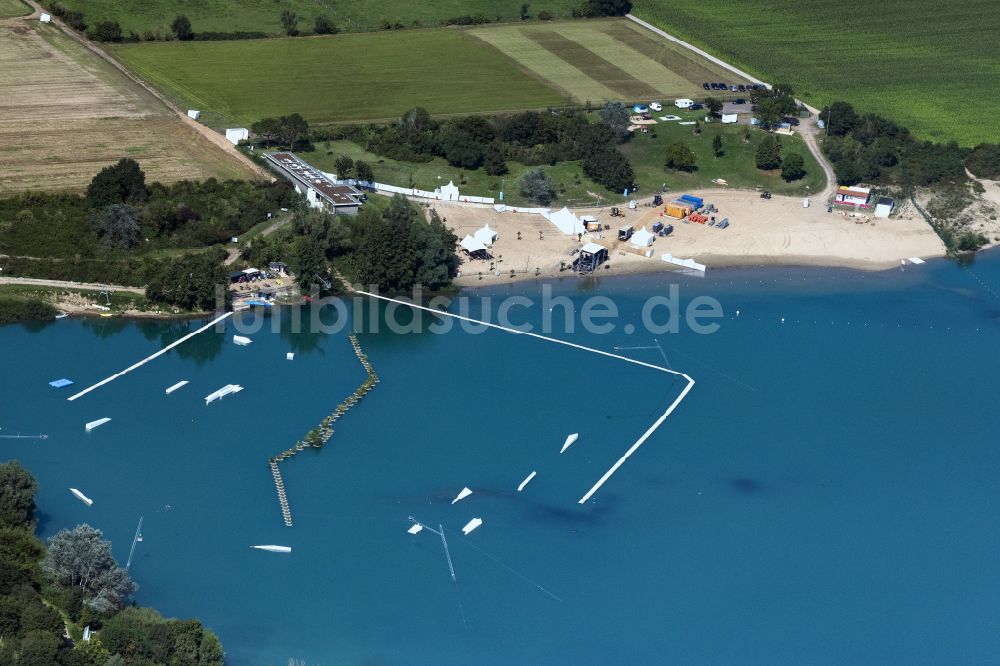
[[526, 481], [150, 357], [80, 496], [96, 424], [638, 443], [176, 386], [462, 495], [569, 441], [472, 525], [274, 549]]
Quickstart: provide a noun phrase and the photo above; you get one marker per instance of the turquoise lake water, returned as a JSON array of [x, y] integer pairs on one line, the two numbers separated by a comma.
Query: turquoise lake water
[[827, 493]]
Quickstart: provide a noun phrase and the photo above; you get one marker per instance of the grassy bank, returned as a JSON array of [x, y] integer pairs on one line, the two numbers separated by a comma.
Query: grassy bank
[[929, 66], [15, 309], [10, 8]]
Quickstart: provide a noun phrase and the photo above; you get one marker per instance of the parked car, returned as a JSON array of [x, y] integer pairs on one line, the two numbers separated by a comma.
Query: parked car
[[739, 101], [723, 86], [656, 106], [696, 107], [705, 86], [732, 88], [714, 86], [741, 88], [791, 120]]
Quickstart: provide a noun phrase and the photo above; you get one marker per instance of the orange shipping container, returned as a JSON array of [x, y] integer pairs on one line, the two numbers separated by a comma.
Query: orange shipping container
[[676, 211]]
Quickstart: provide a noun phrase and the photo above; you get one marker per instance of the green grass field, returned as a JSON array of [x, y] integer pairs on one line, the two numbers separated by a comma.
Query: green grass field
[[264, 15], [9, 8], [646, 152], [373, 76], [931, 66], [597, 61]]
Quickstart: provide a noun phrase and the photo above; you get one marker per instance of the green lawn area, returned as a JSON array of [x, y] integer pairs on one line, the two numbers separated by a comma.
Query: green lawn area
[[602, 60], [928, 65], [265, 15], [646, 152], [373, 76], [10, 8]]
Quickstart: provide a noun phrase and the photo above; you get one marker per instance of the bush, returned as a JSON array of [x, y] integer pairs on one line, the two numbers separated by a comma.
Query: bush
[[544, 15], [106, 31], [984, 161], [181, 27], [324, 26], [768, 153], [537, 187], [970, 241], [468, 19]]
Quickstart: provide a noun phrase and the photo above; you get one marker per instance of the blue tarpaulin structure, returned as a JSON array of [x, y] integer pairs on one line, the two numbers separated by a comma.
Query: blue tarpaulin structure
[[259, 303], [59, 383]]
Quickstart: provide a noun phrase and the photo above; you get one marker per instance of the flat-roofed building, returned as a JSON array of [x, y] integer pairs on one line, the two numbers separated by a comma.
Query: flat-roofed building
[[320, 189]]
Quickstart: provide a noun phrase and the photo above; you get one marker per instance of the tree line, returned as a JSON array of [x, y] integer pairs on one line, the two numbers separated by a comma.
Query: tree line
[[74, 581], [873, 149], [489, 142], [391, 247]]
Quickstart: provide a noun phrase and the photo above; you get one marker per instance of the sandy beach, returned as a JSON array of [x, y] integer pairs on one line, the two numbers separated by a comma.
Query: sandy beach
[[762, 232]]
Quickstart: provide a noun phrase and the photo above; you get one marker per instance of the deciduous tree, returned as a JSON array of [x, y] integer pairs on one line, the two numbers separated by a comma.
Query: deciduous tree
[[680, 157], [769, 153], [17, 495], [181, 27], [793, 167], [81, 558], [537, 187], [117, 226]]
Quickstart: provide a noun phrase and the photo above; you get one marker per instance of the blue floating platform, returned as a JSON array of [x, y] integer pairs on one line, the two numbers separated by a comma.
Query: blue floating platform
[[264, 304], [59, 383]]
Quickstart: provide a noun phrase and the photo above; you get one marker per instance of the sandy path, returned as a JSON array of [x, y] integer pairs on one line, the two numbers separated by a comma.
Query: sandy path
[[65, 284]]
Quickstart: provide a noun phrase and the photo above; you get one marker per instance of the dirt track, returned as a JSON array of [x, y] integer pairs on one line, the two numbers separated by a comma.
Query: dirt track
[[64, 284]]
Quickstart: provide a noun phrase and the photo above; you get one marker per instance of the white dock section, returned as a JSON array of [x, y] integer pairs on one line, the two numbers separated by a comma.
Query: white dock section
[[228, 389], [80, 496], [176, 386], [150, 357], [638, 443], [96, 424], [526, 481]]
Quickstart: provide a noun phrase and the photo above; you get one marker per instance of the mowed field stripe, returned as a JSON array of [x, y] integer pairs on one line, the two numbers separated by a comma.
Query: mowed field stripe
[[593, 65], [674, 58], [514, 44]]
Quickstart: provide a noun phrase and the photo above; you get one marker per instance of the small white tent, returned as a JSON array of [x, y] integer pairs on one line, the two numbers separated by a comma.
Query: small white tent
[[470, 245], [236, 134], [449, 192], [194, 114], [486, 236], [642, 238], [729, 118], [45, 18], [567, 222]]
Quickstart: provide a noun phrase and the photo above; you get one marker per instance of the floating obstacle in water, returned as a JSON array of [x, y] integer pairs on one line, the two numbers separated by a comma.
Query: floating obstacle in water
[[241, 340], [176, 386], [465, 492], [290, 356], [569, 441], [80, 496], [274, 549], [472, 525], [416, 528], [321, 434], [526, 481], [59, 383], [96, 424], [150, 357], [228, 389]]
